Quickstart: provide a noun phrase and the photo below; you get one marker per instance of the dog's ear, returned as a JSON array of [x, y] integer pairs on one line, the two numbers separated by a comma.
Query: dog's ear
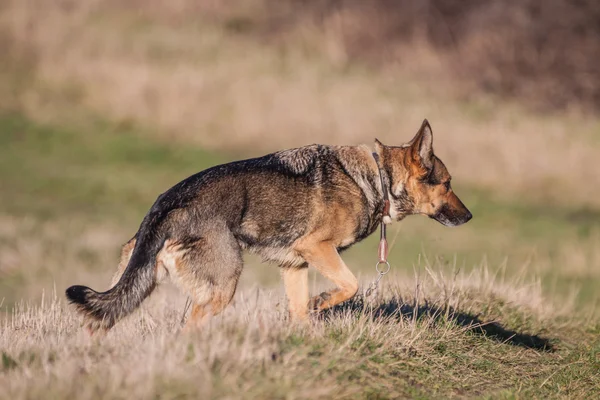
[[379, 146], [421, 146]]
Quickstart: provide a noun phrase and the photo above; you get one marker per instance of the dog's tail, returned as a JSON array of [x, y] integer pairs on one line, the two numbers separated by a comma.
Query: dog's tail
[[103, 309]]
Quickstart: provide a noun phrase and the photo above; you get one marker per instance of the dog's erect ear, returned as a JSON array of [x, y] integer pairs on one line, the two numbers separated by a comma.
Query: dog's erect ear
[[421, 146], [378, 146]]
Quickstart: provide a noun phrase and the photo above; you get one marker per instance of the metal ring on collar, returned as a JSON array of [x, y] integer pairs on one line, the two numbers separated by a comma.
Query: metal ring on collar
[[387, 263]]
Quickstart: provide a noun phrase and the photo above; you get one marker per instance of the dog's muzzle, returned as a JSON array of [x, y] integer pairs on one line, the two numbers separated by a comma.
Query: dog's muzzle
[[449, 217]]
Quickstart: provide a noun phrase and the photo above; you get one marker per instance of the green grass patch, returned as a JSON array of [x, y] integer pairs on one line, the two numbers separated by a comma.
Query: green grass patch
[[109, 171]]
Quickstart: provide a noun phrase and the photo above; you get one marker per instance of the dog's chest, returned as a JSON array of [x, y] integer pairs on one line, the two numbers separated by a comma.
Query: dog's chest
[[346, 242]]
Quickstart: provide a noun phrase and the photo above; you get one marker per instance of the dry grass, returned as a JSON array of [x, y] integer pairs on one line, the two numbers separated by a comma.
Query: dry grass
[[438, 337], [196, 80], [36, 256]]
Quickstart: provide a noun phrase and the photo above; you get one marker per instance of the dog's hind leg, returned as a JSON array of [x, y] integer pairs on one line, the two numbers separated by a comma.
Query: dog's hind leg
[[126, 252], [221, 297], [295, 280], [325, 258], [206, 268]]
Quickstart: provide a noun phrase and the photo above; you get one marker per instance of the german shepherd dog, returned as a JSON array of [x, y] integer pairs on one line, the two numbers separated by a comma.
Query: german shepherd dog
[[295, 207]]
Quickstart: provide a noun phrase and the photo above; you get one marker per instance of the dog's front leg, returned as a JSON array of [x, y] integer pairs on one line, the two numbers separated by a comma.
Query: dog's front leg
[[295, 280], [325, 258]]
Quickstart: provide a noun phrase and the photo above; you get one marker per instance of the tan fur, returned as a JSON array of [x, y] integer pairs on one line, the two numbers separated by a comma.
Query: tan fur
[[202, 312], [295, 281], [325, 258], [172, 259]]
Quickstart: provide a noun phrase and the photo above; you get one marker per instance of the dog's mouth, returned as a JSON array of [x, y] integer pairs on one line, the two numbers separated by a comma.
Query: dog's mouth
[[448, 217]]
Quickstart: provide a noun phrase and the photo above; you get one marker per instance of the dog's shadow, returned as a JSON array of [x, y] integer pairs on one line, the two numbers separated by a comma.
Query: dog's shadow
[[396, 308]]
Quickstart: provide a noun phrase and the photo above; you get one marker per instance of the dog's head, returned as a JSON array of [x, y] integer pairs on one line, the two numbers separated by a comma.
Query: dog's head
[[419, 182]]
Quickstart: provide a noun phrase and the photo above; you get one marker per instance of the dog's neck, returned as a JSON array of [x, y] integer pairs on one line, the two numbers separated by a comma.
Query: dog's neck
[[385, 218], [400, 203]]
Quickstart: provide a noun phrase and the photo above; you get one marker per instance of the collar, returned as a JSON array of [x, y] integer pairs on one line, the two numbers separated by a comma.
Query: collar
[[385, 217]]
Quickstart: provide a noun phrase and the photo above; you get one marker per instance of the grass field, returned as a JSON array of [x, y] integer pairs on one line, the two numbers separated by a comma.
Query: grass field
[[503, 307], [430, 342], [103, 107]]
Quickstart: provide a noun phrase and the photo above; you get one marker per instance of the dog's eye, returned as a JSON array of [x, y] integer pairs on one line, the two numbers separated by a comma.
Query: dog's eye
[[447, 185]]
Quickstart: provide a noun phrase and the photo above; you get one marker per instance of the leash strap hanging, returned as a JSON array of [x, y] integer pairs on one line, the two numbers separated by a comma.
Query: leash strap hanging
[[383, 266]]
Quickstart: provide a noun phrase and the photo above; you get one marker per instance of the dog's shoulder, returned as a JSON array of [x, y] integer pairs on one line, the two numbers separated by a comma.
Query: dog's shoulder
[[302, 160], [356, 160]]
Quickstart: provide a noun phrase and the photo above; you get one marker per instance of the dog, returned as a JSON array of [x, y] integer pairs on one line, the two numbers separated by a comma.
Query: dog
[[295, 207]]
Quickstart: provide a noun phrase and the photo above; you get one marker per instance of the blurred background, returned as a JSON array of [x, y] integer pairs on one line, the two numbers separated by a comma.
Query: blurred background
[[104, 104]]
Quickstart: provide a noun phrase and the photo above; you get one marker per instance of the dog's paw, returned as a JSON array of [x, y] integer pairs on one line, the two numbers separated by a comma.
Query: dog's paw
[[320, 302]]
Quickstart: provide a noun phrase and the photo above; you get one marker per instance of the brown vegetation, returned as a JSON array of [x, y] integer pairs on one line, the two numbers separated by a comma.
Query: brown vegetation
[[273, 75], [538, 51]]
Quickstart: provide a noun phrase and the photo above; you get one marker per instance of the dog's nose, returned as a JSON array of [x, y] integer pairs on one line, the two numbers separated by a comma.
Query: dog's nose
[[468, 216]]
